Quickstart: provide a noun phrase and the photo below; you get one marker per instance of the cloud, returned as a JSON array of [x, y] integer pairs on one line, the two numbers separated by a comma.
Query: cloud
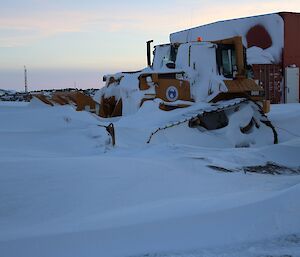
[[200, 14], [28, 29], [34, 26], [40, 23]]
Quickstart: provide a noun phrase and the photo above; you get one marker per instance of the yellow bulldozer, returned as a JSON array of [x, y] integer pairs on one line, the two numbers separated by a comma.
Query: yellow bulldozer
[[210, 79]]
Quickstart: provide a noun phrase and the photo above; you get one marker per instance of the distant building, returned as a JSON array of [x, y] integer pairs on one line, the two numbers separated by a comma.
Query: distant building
[[273, 49]]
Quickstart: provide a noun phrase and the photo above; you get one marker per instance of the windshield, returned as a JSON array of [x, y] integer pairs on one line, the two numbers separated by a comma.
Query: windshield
[[164, 54]]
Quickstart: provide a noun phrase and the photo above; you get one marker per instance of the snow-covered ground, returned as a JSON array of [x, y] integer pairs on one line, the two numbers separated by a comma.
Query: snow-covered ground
[[64, 191]]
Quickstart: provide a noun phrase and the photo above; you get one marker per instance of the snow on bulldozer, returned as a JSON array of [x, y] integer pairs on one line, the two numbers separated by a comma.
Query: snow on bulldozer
[[192, 93], [198, 93]]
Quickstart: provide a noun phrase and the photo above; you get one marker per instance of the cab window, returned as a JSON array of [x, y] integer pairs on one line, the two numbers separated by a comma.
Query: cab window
[[226, 60]]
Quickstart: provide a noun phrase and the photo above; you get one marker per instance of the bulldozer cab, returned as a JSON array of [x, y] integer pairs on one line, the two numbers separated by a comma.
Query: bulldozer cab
[[226, 61], [228, 54]]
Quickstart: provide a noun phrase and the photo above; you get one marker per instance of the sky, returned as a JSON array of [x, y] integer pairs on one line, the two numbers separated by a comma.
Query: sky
[[73, 43]]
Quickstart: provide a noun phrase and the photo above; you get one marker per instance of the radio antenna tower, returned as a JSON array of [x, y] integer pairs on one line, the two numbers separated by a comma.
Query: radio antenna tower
[[25, 79]]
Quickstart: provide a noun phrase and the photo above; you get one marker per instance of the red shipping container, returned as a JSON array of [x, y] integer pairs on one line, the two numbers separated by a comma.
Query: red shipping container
[[269, 76]]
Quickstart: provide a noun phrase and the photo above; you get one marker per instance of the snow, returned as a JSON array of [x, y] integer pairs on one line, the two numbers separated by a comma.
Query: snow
[[202, 76], [201, 73], [127, 90], [257, 55], [64, 191], [161, 52], [47, 130], [239, 27], [4, 91]]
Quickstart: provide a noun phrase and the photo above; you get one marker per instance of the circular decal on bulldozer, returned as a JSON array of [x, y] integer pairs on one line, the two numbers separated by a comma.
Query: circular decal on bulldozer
[[172, 93]]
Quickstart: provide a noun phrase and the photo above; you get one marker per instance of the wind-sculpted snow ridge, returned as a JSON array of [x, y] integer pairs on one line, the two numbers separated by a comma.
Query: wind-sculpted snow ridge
[[38, 130], [65, 192], [284, 246]]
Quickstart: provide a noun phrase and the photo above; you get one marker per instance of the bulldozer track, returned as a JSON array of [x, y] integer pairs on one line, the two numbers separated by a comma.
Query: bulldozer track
[[189, 115]]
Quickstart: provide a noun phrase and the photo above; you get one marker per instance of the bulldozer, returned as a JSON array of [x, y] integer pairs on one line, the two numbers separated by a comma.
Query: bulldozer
[[190, 72], [210, 79], [201, 85]]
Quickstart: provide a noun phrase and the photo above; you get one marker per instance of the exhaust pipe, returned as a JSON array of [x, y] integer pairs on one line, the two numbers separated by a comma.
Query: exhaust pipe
[[149, 52]]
